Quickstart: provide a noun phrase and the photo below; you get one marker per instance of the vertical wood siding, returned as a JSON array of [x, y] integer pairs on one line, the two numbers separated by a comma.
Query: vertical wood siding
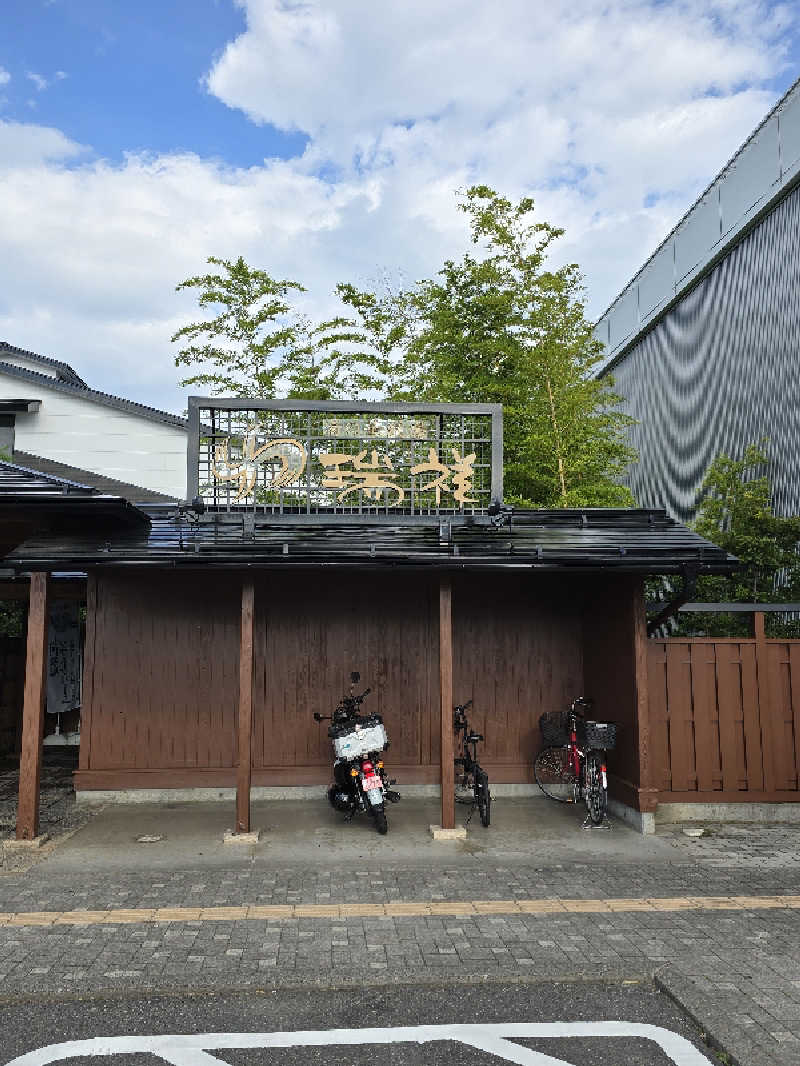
[[162, 670], [725, 718]]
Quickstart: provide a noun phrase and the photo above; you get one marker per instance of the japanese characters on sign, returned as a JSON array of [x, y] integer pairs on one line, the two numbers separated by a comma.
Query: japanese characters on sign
[[371, 474], [309, 459]]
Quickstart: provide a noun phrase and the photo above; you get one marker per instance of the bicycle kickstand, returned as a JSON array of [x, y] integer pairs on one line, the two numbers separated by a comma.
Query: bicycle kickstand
[[588, 824]]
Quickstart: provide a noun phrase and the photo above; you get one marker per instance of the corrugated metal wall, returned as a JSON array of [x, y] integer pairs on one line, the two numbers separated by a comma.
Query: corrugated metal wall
[[722, 369]]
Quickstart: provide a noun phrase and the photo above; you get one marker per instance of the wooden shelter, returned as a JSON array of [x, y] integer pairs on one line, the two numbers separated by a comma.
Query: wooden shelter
[[214, 631]]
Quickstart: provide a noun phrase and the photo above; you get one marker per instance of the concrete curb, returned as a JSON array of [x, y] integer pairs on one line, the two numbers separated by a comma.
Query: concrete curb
[[717, 1036]]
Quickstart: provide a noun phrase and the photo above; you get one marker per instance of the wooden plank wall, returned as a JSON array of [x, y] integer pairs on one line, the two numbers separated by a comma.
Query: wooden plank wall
[[161, 674], [613, 663], [162, 671], [725, 719], [311, 632], [518, 651]]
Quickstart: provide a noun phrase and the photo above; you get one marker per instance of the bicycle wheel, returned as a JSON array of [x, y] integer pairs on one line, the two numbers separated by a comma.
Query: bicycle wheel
[[595, 792], [555, 775], [483, 797]]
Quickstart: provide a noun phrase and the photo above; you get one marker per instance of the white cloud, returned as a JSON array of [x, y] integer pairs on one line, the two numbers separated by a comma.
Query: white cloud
[[612, 113], [39, 81], [5, 77], [23, 146]]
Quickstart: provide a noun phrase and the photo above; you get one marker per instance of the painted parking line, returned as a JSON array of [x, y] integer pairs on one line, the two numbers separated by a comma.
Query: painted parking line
[[453, 909], [495, 1040]]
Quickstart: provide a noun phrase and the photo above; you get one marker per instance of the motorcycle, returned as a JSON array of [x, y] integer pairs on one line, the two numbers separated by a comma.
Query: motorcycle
[[360, 782]]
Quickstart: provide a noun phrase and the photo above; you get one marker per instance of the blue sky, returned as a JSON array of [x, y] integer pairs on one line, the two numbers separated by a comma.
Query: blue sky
[[127, 77], [325, 140]]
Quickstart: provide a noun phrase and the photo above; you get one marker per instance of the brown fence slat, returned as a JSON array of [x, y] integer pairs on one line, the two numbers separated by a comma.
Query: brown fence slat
[[679, 716], [794, 688], [751, 718], [659, 734], [730, 699], [766, 704], [781, 717], [704, 713]]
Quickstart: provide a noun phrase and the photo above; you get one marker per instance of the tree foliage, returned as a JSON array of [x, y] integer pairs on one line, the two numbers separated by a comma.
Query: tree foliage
[[496, 326], [736, 514], [242, 349], [258, 343], [501, 327]]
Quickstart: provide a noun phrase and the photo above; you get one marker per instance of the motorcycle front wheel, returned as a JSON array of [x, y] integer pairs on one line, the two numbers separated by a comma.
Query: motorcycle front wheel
[[379, 814]]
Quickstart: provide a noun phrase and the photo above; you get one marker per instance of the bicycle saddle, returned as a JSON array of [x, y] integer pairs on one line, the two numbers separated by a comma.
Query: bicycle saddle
[[473, 738]]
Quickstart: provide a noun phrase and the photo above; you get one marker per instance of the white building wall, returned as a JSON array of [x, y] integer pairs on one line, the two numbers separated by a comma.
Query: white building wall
[[118, 444]]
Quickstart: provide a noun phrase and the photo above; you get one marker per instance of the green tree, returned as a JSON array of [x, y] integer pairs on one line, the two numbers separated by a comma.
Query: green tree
[[242, 350], [257, 343], [501, 327], [736, 514]]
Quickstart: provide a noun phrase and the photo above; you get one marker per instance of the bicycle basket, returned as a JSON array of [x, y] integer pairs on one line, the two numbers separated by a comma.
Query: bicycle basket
[[555, 728], [597, 734]]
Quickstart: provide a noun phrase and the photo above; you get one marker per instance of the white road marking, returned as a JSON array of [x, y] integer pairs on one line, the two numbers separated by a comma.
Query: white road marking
[[193, 1050]]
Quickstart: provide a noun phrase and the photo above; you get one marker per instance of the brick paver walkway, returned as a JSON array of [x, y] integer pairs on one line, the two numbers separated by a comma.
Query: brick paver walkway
[[718, 928]]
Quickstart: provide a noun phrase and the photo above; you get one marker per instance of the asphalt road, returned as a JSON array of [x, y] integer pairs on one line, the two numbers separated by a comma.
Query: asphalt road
[[26, 1029]]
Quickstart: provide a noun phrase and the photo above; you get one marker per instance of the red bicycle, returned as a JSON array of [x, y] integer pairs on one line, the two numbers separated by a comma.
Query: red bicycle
[[572, 766]]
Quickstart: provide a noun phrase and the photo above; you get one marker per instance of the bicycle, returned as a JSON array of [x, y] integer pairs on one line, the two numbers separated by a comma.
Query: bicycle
[[473, 776], [573, 764]]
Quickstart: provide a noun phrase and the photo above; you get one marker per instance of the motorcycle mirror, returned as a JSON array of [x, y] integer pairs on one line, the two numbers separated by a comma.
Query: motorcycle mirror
[[355, 676], [317, 716]]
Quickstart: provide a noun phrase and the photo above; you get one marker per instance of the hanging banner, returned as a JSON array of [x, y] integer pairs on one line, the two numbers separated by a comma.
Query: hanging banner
[[63, 657]]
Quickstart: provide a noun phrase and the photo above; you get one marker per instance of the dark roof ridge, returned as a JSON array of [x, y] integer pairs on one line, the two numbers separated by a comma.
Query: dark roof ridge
[[99, 482], [105, 398], [53, 479], [71, 374]]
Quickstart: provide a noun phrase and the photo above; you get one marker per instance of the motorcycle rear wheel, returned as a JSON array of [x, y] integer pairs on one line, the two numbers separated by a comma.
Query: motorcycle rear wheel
[[380, 821]]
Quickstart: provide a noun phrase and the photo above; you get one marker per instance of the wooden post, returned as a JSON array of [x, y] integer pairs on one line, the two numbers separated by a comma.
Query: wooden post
[[446, 709], [30, 763], [245, 734], [646, 785]]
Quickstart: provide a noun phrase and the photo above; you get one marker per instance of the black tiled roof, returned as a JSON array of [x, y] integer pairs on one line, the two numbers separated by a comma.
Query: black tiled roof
[[109, 485], [57, 503], [626, 540], [64, 370], [23, 480], [82, 390]]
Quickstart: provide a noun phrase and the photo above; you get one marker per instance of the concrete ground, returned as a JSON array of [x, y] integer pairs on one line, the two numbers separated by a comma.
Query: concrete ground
[[714, 921], [310, 831]]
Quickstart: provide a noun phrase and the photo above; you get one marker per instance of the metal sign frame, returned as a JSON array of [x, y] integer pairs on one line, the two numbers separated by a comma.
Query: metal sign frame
[[197, 431]]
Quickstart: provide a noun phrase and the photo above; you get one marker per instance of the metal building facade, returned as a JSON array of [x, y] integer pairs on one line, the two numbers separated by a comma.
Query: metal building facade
[[704, 342], [722, 369]]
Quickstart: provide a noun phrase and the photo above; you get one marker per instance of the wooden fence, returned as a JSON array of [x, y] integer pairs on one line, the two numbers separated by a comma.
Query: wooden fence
[[725, 718]]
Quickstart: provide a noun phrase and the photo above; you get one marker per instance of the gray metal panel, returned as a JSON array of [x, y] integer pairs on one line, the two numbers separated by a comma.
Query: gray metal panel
[[698, 233], [623, 318], [657, 283], [720, 370], [759, 177], [789, 116], [751, 175]]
